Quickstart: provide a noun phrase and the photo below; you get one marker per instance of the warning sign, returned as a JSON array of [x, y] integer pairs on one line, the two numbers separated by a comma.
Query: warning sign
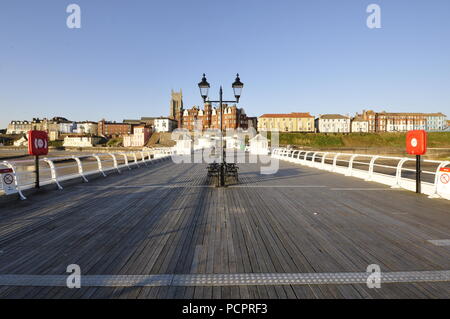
[[445, 178], [8, 181], [443, 186]]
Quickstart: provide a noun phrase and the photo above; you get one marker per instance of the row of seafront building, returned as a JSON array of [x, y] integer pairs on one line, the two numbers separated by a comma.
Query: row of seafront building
[[136, 133], [89, 133], [366, 122]]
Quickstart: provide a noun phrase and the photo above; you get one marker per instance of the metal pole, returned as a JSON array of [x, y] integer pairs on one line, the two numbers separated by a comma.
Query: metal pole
[[222, 166], [36, 167], [418, 177]]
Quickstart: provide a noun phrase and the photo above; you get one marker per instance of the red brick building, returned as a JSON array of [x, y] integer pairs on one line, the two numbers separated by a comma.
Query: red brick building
[[209, 118], [111, 128], [395, 122]]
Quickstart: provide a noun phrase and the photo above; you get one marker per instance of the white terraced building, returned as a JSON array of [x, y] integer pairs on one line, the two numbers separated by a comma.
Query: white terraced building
[[80, 141], [333, 123], [359, 125]]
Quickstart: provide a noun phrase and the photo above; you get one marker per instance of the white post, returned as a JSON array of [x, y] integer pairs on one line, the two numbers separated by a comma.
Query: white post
[[53, 172], [295, 156], [100, 167], [125, 157], [335, 161], [80, 168], [116, 166], [306, 158], [314, 159], [135, 159], [323, 159], [143, 158], [371, 165], [350, 166]]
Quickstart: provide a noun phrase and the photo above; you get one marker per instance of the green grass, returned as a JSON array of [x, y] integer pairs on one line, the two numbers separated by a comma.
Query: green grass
[[56, 143], [390, 140], [115, 142]]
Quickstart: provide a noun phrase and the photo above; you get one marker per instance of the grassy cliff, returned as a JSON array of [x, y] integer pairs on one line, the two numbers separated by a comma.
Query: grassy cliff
[[394, 140]]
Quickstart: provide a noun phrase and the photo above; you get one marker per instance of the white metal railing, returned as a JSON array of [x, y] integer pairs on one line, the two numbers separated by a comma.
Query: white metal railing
[[54, 170], [392, 171]]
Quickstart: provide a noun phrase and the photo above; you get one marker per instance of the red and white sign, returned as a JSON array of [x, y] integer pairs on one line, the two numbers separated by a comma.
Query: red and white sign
[[443, 182], [416, 142], [37, 143], [445, 178], [8, 181]]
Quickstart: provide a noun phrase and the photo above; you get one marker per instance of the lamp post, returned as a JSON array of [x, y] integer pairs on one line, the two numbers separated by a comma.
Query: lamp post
[[204, 89]]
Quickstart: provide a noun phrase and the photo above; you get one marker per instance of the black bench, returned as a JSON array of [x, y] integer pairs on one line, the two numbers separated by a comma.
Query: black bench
[[231, 170]]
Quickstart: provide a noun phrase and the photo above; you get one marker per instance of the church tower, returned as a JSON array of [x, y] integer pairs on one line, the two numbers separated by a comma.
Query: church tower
[[176, 104]]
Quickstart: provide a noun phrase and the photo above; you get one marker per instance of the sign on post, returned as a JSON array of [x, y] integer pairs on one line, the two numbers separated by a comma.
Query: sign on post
[[416, 144], [37, 143], [8, 181]]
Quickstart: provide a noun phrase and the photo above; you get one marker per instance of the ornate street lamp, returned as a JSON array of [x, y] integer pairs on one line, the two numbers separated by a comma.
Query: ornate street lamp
[[237, 88], [204, 88]]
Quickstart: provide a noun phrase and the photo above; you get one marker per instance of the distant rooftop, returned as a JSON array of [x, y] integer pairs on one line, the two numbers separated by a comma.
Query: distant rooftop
[[287, 115], [333, 116]]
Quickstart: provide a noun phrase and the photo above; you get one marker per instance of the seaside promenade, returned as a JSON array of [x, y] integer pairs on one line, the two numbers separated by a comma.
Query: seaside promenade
[[163, 231]]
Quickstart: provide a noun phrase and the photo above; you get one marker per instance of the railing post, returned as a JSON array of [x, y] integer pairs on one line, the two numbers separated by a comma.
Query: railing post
[[371, 165], [398, 173], [295, 156], [100, 167], [53, 172], [149, 155], [350, 166], [125, 157], [135, 159], [335, 161], [116, 166], [306, 158], [323, 159], [16, 180], [313, 160], [80, 168], [143, 158]]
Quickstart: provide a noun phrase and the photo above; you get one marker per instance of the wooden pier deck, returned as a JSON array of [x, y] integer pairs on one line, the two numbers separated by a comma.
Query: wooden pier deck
[[165, 219]]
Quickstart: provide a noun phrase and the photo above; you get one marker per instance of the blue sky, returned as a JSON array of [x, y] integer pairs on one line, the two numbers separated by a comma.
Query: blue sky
[[313, 56]]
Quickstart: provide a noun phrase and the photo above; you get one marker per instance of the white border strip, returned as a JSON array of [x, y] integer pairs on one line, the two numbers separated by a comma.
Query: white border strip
[[265, 279]]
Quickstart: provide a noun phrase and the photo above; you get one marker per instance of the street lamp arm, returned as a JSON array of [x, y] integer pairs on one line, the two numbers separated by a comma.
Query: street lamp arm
[[222, 101]]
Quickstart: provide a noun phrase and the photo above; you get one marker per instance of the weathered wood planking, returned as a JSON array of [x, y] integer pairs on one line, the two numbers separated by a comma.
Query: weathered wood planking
[[164, 219]]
